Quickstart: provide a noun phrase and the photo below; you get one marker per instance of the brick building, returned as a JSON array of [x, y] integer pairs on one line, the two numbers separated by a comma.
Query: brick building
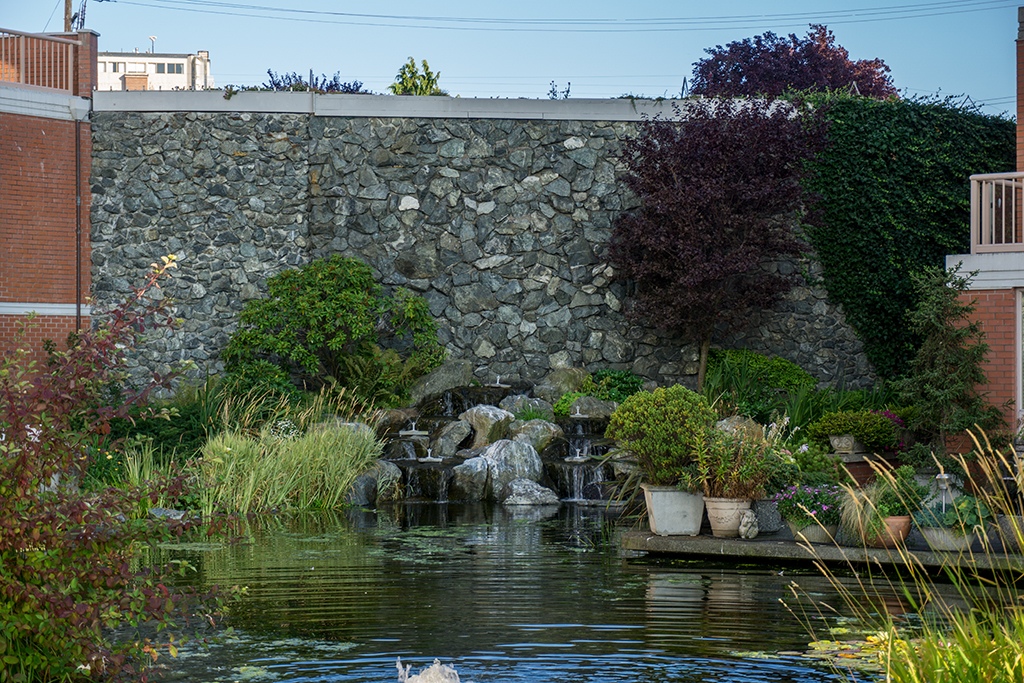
[[46, 83]]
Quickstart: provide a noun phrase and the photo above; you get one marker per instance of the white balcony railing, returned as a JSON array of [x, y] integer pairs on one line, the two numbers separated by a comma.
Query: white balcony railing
[[32, 60], [996, 212]]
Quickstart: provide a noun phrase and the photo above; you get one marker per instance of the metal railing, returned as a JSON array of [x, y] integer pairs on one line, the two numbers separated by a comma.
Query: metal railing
[[996, 212], [32, 60]]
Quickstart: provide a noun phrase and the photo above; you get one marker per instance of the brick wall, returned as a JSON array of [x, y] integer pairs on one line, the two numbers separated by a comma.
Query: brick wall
[[997, 312], [39, 223]]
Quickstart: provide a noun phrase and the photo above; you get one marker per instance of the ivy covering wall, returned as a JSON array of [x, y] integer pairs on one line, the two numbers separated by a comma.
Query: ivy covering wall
[[896, 198]]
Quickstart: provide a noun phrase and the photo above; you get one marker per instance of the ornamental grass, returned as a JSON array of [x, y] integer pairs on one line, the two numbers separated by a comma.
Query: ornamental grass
[[963, 624]]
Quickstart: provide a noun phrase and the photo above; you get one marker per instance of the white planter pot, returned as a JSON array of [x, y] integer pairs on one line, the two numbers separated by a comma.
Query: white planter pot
[[1011, 530], [813, 533], [672, 512], [724, 515], [945, 540]]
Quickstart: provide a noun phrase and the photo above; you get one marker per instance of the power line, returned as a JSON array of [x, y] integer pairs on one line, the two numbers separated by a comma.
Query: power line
[[645, 25]]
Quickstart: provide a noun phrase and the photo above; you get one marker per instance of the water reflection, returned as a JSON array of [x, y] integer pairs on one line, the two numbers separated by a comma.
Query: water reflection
[[504, 594]]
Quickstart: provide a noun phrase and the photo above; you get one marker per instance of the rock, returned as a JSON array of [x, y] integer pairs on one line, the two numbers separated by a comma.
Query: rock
[[520, 402], [538, 433], [166, 513], [593, 407], [469, 480], [526, 492], [449, 438], [748, 524], [435, 673], [510, 460], [451, 375], [560, 382], [394, 419], [742, 426], [490, 423], [380, 482]]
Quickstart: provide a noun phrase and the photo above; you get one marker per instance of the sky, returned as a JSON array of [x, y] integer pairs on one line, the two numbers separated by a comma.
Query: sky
[[602, 48]]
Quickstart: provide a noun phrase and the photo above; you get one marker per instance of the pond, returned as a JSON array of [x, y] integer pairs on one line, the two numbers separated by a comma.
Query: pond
[[502, 594]]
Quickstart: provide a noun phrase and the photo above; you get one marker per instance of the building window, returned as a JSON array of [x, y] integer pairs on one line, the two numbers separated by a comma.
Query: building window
[[159, 67], [175, 68], [113, 67], [136, 68]]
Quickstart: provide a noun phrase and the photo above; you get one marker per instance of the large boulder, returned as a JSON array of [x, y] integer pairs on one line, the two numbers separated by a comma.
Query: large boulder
[[538, 433], [526, 492], [520, 402], [560, 382], [510, 460], [490, 423], [446, 443], [469, 480], [451, 375], [380, 482], [592, 407], [741, 426]]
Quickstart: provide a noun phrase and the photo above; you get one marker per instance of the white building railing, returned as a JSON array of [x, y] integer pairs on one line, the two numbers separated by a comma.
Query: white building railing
[[32, 60], [996, 212]]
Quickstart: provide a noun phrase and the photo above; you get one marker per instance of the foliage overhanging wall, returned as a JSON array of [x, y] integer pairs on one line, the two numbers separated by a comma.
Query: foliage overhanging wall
[[895, 198]]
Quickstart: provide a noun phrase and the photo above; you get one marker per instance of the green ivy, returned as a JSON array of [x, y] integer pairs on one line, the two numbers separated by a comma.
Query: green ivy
[[895, 199]]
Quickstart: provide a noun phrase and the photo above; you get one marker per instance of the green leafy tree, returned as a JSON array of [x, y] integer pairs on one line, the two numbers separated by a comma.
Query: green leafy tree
[[409, 80], [328, 322], [949, 366]]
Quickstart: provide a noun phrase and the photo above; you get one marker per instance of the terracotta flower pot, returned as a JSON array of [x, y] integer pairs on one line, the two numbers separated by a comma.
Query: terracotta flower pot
[[724, 515], [894, 532]]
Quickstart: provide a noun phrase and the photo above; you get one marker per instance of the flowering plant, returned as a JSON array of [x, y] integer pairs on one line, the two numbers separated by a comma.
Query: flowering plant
[[802, 504]]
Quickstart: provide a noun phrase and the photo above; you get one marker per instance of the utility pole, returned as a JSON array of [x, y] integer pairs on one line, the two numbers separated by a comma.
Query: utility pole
[[67, 16]]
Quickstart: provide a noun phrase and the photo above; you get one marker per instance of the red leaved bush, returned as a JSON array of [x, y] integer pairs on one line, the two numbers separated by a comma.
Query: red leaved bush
[[769, 65], [720, 195], [66, 557]]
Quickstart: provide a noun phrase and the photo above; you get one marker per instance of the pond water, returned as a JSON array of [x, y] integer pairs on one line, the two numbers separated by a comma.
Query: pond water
[[531, 595]]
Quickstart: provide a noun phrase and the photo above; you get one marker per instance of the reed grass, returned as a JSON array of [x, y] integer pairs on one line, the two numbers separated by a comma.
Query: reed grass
[[297, 458], [968, 622]]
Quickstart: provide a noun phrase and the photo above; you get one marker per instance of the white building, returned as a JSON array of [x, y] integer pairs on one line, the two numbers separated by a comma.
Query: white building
[[153, 71]]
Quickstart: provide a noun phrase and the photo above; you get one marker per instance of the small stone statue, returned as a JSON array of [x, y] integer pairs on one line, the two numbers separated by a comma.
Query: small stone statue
[[748, 524], [435, 673]]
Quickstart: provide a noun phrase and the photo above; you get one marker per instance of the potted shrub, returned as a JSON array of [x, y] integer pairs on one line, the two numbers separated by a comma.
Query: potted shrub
[[662, 430], [880, 513], [811, 511], [952, 526], [858, 431], [732, 471]]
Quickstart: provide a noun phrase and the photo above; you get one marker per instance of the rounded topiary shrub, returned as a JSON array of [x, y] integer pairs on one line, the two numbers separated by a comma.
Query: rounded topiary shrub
[[661, 428]]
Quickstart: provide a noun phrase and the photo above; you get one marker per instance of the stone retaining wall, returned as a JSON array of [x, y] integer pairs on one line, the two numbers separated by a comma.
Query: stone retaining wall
[[499, 223]]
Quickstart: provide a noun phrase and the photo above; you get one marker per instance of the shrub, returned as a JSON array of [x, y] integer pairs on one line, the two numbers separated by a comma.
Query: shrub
[[731, 466], [770, 371], [662, 429], [329, 321], [66, 557], [876, 430], [616, 385], [564, 404]]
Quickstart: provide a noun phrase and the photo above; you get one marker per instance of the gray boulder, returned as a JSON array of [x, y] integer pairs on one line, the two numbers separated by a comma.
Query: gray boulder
[[446, 443], [592, 407], [538, 433], [560, 382], [520, 402], [469, 480], [490, 423], [510, 460], [451, 375], [526, 492], [380, 482]]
